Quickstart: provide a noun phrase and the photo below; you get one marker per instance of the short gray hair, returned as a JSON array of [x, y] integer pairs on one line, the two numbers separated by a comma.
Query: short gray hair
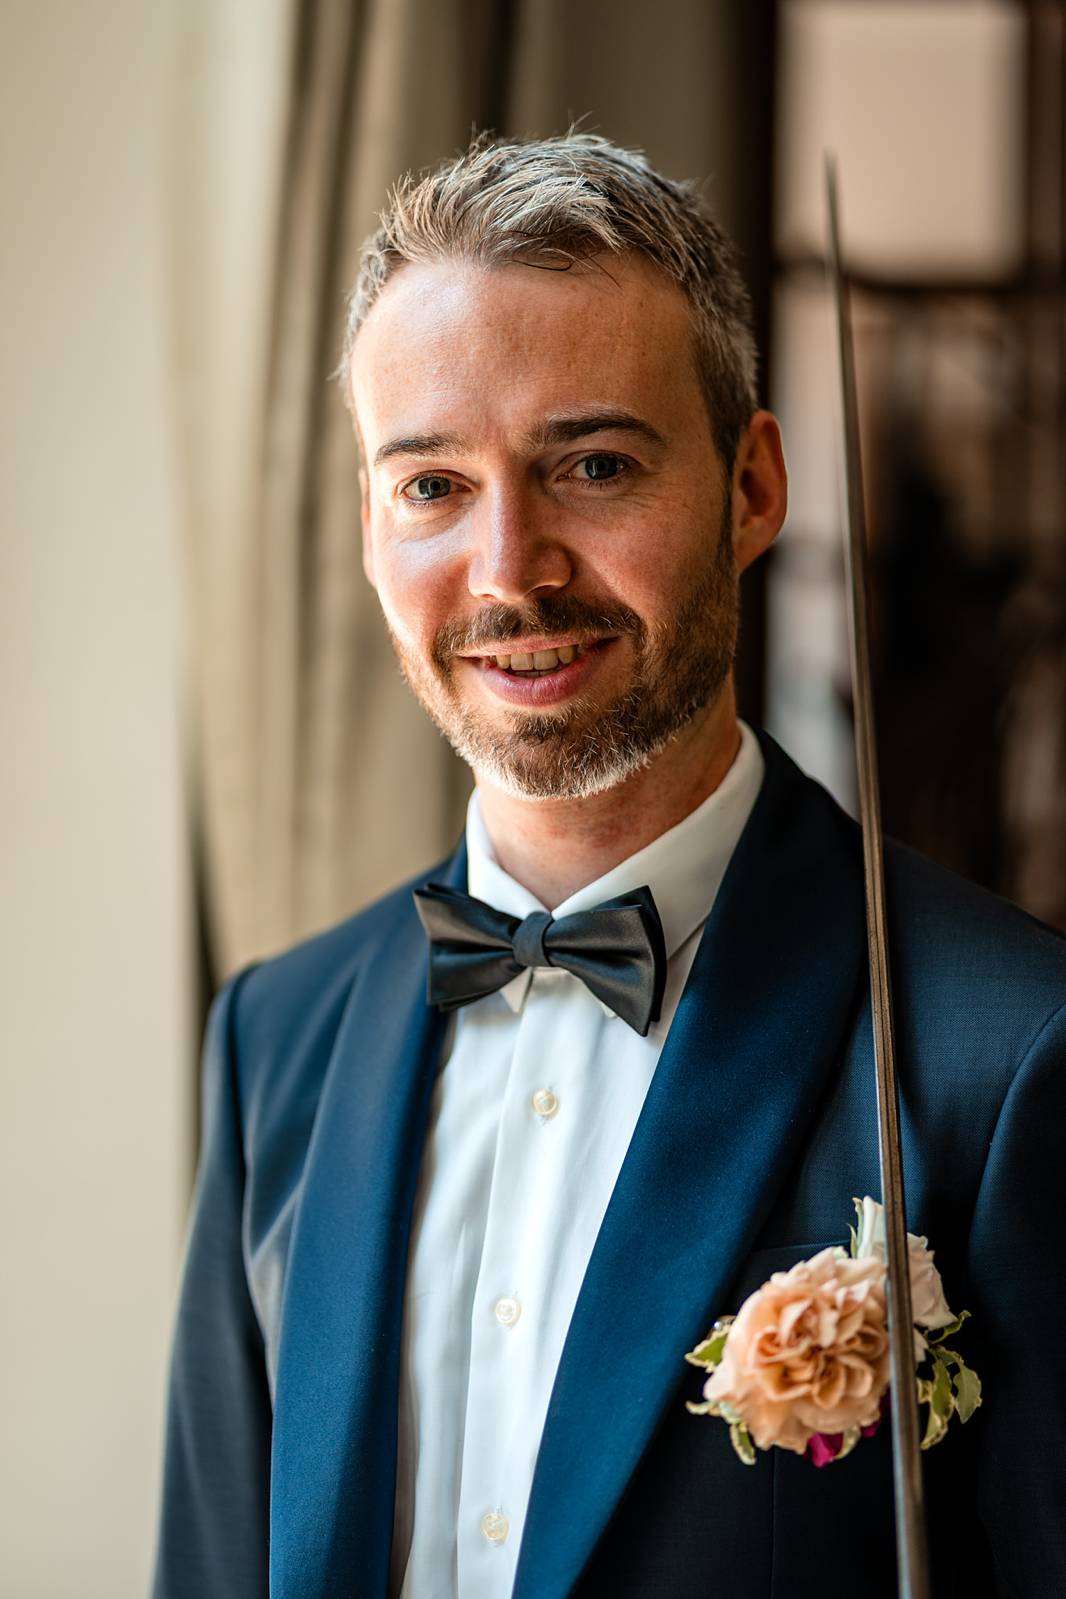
[[552, 202]]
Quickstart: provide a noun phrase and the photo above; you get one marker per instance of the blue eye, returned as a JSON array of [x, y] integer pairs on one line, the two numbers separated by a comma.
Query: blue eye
[[430, 487]]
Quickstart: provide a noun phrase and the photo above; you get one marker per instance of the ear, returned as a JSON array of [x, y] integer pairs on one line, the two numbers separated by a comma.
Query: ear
[[364, 516], [760, 489]]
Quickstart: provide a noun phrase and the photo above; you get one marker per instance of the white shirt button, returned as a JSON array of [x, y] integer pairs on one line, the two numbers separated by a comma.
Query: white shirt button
[[495, 1526], [507, 1311], [545, 1103]]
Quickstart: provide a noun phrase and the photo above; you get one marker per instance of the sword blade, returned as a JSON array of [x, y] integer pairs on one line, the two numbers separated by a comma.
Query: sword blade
[[911, 1548]]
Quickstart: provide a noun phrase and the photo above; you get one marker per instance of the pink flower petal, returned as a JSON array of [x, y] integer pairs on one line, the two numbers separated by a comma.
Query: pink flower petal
[[869, 1431], [823, 1447]]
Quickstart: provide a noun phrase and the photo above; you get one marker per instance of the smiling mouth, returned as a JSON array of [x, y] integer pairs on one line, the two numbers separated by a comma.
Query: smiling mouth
[[537, 662]]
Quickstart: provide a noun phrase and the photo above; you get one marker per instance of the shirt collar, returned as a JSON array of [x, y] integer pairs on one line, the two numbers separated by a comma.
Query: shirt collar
[[683, 867]]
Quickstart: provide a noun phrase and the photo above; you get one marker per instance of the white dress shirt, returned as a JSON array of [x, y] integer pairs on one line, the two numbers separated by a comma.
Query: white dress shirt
[[533, 1111]]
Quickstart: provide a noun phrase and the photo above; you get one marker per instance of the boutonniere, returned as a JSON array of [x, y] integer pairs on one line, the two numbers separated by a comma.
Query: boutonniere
[[804, 1363]]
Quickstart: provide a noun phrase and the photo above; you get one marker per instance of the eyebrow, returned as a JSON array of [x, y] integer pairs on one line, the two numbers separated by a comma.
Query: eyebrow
[[420, 444], [553, 430]]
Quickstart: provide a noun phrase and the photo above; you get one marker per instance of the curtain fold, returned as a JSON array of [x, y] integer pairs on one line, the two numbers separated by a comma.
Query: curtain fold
[[318, 783]]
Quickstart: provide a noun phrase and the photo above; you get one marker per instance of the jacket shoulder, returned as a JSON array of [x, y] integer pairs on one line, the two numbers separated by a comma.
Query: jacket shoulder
[[286, 1009], [976, 982], [971, 936], [973, 975], [945, 931]]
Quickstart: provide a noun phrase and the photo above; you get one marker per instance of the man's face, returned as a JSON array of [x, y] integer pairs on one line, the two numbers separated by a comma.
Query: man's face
[[546, 518]]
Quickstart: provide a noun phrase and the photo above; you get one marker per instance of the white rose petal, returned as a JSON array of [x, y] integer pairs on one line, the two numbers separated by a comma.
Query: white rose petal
[[871, 1229], [929, 1308]]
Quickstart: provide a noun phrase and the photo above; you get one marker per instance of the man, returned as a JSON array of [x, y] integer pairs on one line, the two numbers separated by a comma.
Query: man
[[447, 1257]]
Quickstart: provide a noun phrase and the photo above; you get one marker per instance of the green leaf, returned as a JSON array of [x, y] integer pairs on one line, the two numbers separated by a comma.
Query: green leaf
[[710, 1352], [935, 1429], [740, 1438], [851, 1438], [701, 1355], [942, 1399], [967, 1391], [937, 1394], [940, 1333]]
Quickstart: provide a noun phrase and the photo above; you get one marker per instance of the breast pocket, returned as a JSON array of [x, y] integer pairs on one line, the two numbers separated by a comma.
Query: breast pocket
[[833, 1528], [761, 1265]]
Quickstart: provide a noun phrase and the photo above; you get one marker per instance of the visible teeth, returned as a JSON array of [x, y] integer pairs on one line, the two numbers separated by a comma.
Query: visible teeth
[[538, 660]]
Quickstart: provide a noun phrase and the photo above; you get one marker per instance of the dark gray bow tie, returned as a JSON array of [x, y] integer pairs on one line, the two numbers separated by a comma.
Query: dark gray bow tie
[[617, 949]]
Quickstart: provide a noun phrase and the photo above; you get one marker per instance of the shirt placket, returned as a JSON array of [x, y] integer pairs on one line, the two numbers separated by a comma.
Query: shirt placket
[[514, 1320]]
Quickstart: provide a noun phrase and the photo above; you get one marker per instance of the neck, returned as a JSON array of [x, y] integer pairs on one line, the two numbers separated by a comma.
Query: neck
[[554, 847]]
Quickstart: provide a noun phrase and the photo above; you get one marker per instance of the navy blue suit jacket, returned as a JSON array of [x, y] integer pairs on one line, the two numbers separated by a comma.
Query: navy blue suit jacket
[[758, 1129]]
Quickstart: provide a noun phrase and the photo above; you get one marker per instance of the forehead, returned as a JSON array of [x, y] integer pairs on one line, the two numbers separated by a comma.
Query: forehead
[[488, 350]]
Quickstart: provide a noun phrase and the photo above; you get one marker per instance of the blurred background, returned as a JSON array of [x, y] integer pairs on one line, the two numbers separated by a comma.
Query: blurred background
[[207, 751]]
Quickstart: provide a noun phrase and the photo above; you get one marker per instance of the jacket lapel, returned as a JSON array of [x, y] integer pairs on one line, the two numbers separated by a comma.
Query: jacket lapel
[[750, 1052], [334, 1454]]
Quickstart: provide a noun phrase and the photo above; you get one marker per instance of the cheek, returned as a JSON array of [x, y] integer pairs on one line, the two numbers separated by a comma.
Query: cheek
[[648, 555], [415, 587], [645, 570]]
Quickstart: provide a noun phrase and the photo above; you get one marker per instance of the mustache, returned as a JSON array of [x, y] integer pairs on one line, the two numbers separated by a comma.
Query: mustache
[[553, 614]]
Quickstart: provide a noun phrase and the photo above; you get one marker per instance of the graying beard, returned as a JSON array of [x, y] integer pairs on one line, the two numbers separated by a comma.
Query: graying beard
[[605, 755], [626, 736]]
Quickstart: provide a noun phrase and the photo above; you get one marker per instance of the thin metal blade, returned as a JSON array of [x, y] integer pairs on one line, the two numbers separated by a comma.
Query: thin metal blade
[[913, 1565]]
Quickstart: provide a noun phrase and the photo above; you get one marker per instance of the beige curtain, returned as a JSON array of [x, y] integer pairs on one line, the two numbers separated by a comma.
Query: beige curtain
[[316, 780]]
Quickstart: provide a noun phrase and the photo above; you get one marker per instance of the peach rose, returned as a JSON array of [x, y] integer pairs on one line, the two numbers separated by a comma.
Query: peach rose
[[807, 1353]]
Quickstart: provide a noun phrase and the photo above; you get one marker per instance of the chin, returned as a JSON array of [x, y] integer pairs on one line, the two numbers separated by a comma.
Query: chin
[[590, 744], [532, 784], [588, 766]]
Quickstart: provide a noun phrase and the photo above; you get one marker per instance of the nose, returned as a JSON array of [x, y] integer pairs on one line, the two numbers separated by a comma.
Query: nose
[[516, 551]]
